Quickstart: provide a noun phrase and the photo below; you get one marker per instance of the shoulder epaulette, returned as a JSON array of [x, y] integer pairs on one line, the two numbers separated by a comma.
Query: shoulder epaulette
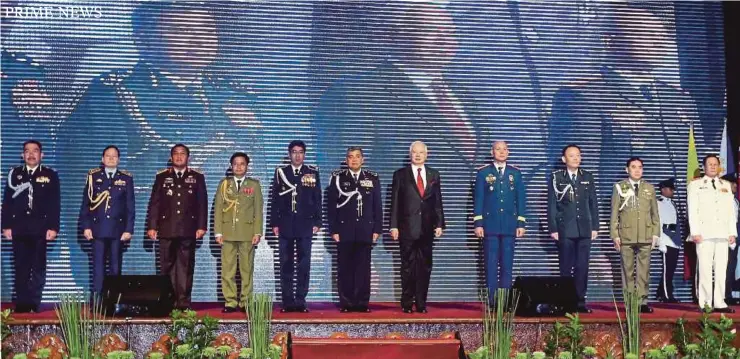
[[696, 179], [482, 167], [45, 167], [253, 179], [198, 171], [162, 171], [126, 173], [514, 167], [558, 171], [94, 170], [114, 77], [313, 167], [337, 172], [372, 173]]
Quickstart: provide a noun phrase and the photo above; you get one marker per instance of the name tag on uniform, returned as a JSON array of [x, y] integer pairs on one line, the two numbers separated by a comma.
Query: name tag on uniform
[[585, 182], [99, 180], [345, 183], [43, 179], [169, 180], [366, 183], [190, 180], [119, 183], [724, 190]]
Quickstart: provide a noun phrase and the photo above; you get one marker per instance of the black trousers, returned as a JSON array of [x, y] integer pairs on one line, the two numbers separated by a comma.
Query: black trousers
[[670, 261], [177, 260], [731, 265], [29, 262], [573, 255], [353, 273], [416, 270]]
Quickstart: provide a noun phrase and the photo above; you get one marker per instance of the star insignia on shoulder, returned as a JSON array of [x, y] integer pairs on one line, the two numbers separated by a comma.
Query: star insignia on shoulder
[[126, 173], [94, 170]]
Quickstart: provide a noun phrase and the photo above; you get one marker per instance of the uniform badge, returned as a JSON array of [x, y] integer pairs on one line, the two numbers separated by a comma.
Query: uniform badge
[[169, 192], [119, 183], [99, 180], [19, 177], [42, 179], [346, 183], [308, 180], [190, 191], [190, 179], [724, 190], [248, 191], [366, 183], [585, 182], [169, 180], [511, 178], [490, 188], [490, 178]]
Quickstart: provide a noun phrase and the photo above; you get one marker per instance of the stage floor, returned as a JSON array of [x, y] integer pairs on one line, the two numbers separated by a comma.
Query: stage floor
[[328, 313]]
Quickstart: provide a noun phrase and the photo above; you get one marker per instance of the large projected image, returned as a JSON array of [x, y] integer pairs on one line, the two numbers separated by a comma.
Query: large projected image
[[618, 79]]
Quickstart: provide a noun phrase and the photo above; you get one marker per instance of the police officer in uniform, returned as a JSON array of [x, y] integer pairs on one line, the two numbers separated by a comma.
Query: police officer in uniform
[[295, 216], [107, 215], [634, 227], [573, 218], [670, 239], [355, 220], [177, 217], [712, 221], [238, 225], [500, 216], [30, 218]]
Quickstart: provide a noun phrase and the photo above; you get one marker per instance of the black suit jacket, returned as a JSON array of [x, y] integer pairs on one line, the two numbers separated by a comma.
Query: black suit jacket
[[415, 216], [43, 213], [572, 208]]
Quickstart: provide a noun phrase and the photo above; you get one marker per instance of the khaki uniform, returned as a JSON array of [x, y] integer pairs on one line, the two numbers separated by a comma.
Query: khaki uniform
[[635, 221], [237, 217]]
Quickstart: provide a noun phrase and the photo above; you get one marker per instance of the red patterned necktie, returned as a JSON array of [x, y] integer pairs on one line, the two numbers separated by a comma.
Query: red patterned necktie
[[420, 182]]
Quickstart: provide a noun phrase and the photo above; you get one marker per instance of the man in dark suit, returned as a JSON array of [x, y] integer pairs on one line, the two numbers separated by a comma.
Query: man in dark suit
[[417, 217], [573, 218], [355, 221], [30, 218], [177, 217], [731, 283], [295, 216], [107, 214]]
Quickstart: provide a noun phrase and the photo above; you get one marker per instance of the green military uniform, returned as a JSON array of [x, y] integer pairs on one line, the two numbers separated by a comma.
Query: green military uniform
[[238, 218], [635, 222]]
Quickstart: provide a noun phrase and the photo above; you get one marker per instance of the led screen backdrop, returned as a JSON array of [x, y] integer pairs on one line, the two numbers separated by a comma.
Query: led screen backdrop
[[619, 80]]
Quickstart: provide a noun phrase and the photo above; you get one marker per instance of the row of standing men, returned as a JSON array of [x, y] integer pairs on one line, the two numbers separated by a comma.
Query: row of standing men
[[177, 217]]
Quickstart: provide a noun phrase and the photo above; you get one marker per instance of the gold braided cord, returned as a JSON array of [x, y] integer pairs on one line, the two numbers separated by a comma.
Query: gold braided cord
[[231, 202], [98, 200]]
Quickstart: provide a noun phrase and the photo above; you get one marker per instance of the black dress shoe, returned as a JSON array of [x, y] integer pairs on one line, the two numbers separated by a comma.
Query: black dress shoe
[[362, 310], [301, 310], [345, 310], [732, 301], [584, 309], [673, 300], [228, 309], [22, 308], [724, 310], [407, 310], [645, 309], [287, 310], [422, 310]]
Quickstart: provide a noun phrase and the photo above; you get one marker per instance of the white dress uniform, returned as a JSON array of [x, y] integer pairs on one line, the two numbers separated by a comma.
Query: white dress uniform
[[711, 215]]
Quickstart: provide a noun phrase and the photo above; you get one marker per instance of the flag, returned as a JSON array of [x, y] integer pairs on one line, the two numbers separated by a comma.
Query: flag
[[692, 171], [727, 164]]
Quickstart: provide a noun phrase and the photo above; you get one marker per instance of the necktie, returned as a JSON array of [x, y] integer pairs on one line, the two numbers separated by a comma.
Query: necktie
[[110, 175], [573, 178], [500, 171], [30, 173], [713, 185], [636, 185], [179, 175], [238, 184], [419, 182], [354, 175], [296, 172]]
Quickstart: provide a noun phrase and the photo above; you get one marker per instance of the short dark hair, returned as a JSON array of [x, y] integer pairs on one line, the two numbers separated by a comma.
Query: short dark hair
[[33, 142], [707, 157], [113, 147], [569, 146], [355, 148], [239, 154], [187, 150], [633, 159], [297, 143]]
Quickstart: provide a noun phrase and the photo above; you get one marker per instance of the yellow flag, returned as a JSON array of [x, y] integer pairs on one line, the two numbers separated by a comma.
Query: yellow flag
[[692, 167]]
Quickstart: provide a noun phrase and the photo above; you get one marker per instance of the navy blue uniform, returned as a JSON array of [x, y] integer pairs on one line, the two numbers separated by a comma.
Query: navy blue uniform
[[30, 208], [573, 213], [107, 210], [296, 209], [500, 208], [355, 212]]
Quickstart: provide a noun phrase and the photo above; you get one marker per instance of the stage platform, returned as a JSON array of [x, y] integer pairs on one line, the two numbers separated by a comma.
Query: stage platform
[[325, 319]]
